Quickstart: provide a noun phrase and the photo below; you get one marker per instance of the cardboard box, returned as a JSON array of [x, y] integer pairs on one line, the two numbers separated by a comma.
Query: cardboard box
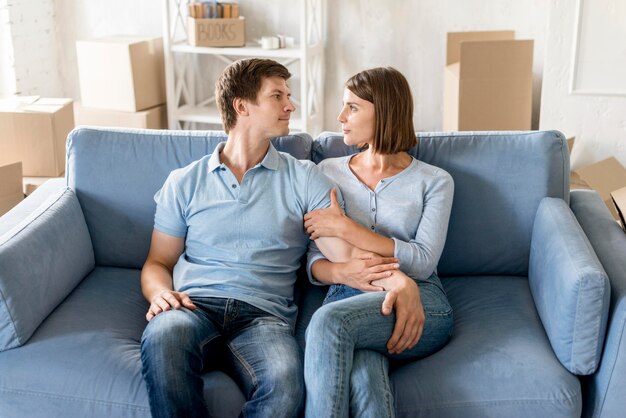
[[570, 143], [121, 73], [605, 177], [153, 118], [619, 200], [216, 32], [487, 82], [10, 186], [34, 131], [575, 182]]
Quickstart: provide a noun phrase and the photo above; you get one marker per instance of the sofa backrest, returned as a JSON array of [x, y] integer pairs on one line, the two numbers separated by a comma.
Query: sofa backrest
[[116, 172], [499, 179]]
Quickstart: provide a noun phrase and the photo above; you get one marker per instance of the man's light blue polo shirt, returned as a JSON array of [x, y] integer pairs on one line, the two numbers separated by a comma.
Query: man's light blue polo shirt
[[242, 241]]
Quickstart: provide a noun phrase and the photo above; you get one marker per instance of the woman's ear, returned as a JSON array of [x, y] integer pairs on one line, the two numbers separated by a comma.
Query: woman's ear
[[241, 106]]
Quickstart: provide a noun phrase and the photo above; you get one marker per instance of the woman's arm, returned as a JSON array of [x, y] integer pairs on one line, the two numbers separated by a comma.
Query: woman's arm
[[348, 264], [420, 255], [332, 222]]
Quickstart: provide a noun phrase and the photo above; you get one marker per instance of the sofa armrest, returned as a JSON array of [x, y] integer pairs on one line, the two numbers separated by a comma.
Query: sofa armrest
[[42, 259], [31, 203], [604, 390], [569, 286]]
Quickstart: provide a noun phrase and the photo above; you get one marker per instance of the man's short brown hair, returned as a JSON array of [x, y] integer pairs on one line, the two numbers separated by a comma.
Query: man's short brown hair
[[390, 93], [242, 79]]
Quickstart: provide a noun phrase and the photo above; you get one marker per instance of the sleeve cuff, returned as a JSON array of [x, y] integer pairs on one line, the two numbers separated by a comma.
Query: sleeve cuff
[[312, 259], [402, 251]]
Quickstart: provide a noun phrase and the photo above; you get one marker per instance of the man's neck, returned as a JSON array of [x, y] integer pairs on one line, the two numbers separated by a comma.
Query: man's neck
[[242, 152]]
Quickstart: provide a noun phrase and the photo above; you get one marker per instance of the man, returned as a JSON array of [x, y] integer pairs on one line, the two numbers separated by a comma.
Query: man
[[227, 241]]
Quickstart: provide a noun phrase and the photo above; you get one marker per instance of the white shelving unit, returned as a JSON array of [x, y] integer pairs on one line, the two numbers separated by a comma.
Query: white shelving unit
[[186, 105]]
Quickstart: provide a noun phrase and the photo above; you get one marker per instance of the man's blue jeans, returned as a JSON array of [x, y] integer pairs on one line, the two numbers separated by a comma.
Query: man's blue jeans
[[346, 360], [259, 351]]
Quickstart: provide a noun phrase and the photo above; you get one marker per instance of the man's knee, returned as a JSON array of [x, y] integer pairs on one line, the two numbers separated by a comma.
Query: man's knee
[[168, 331], [286, 386]]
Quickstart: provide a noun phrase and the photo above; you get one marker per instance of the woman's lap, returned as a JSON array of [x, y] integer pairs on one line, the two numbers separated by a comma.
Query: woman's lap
[[359, 315]]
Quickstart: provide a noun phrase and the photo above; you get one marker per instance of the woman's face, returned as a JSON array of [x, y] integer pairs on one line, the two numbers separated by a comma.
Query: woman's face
[[357, 119]]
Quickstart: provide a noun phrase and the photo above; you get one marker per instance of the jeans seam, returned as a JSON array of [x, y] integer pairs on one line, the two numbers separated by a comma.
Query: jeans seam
[[246, 366], [388, 399]]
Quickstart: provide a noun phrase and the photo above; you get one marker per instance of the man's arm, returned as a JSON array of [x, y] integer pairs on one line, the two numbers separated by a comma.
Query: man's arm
[[156, 275]]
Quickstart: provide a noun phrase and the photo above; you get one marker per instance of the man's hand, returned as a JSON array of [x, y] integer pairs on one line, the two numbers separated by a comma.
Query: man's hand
[[166, 300], [326, 222], [404, 297], [359, 273]]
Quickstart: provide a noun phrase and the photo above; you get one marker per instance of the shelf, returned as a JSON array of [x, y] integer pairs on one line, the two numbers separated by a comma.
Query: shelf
[[186, 81], [210, 114], [245, 51]]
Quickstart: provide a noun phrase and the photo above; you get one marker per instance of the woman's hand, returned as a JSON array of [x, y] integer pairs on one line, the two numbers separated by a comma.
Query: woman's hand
[[360, 272], [404, 297], [328, 222]]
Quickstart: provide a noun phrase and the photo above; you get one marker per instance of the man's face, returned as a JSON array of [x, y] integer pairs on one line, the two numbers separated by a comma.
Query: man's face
[[273, 108]]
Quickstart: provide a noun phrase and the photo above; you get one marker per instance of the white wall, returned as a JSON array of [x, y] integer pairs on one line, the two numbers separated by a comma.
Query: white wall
[[7, 61], [598, 122], [407, 34], [29, 62]]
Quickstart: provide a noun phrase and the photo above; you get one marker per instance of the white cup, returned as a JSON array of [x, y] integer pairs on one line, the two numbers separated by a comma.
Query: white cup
[[270, 42]]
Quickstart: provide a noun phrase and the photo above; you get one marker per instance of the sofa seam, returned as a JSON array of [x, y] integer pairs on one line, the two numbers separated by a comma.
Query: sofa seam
[[73, 399], [595, 323], [499, 402]]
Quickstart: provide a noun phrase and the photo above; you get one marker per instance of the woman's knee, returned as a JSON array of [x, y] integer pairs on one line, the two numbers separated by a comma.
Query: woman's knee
[[325, 320]]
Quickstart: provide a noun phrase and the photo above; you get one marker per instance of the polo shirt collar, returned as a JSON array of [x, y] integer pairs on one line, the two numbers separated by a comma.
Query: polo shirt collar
[[270, 161]]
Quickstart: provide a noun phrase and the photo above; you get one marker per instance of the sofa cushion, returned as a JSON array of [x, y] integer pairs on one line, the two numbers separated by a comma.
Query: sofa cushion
[[43, 258], [116, 173], [499, 362], [84, 360], [569, 286], [499, 180]]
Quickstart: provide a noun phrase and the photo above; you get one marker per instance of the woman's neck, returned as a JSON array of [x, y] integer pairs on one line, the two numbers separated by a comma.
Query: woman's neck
[[370, 167], [381, 163]]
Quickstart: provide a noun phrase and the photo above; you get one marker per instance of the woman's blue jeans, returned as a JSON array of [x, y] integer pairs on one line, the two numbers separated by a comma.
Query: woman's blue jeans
[[346, 366], [258, 349]]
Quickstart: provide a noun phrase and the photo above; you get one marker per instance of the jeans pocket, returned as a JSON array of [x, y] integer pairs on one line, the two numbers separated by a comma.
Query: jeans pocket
[[434, 300], [332, 291]]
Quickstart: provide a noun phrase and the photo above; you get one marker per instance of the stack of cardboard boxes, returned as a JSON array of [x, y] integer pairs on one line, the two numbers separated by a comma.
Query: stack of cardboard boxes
[[122, 82], [33, 133], [487, 82]]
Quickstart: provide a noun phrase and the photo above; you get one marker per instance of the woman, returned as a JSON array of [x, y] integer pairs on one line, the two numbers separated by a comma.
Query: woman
[[390, 238]]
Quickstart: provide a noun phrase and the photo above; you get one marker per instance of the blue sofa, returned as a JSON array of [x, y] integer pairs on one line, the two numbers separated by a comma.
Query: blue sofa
[[539, 317]]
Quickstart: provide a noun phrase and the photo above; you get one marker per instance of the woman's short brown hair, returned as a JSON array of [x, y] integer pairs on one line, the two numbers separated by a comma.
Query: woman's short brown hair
[[390, 93], [242, 79]]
